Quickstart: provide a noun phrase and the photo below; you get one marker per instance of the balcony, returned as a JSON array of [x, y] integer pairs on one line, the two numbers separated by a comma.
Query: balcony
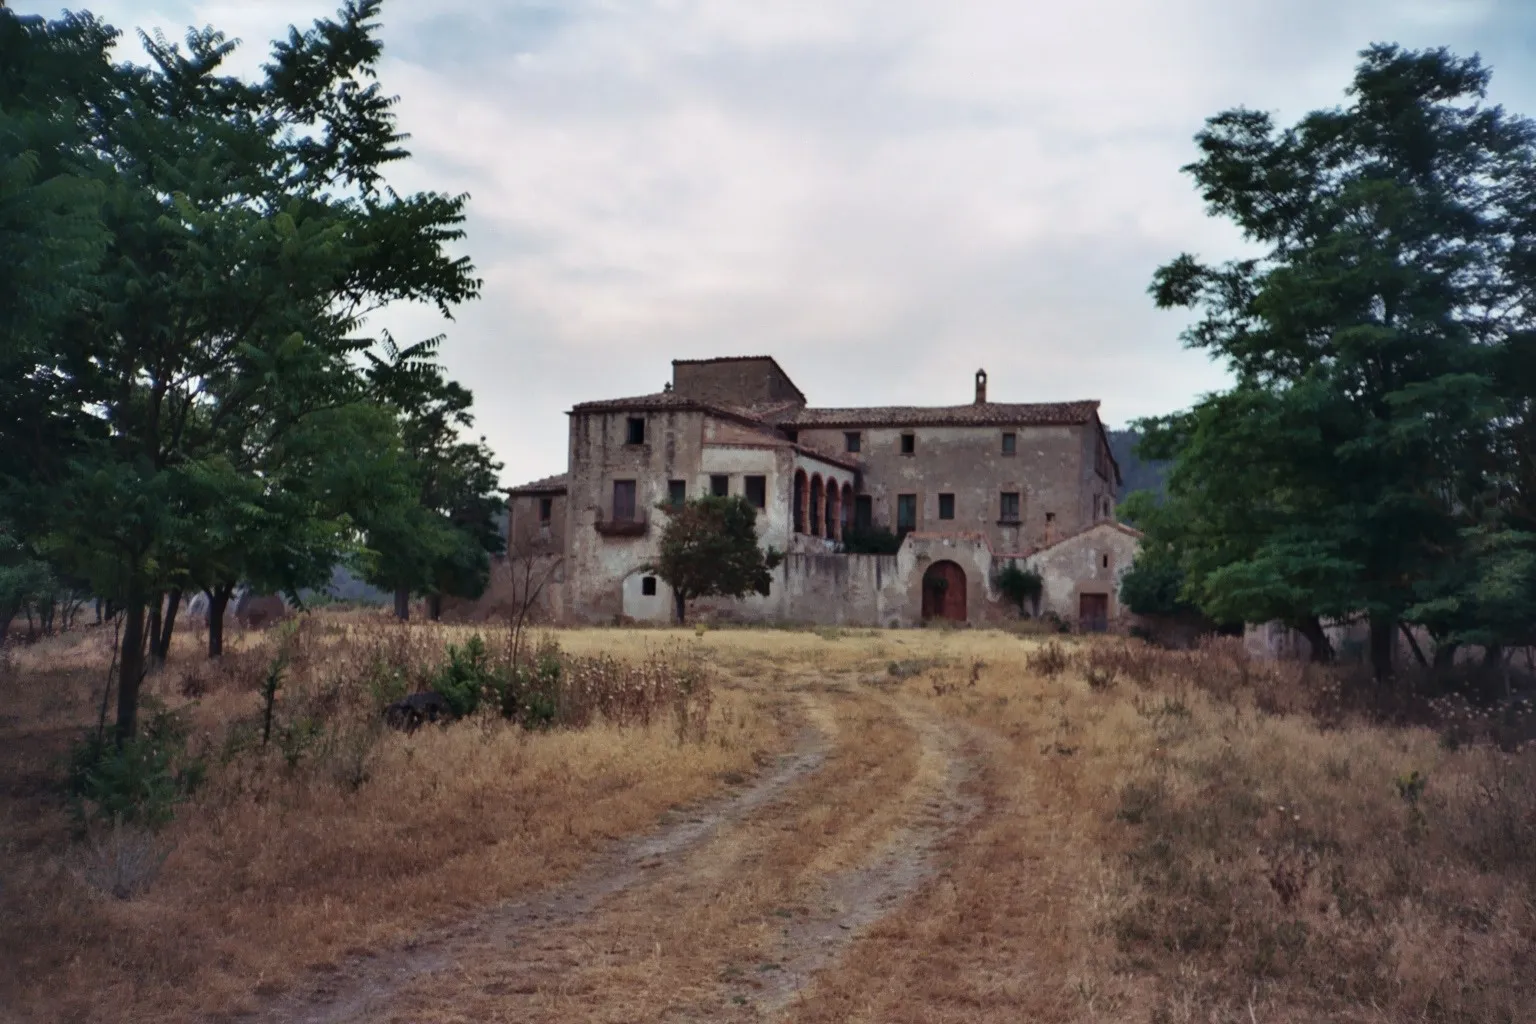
[[634, 527]]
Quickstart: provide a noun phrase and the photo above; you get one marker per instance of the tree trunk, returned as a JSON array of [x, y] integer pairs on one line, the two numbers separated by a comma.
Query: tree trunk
[[1413, 644], [218, 601], [156, 656], [680, 600], [1383, 629], [435, 607], [172, 606], [1317, 638], [1445, 655], [403, 603], [6, 615], [130, 668]]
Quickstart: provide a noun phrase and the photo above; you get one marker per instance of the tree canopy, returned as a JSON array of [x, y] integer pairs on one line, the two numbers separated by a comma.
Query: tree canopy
[[1373, 458], [186, 398], [709, 547]]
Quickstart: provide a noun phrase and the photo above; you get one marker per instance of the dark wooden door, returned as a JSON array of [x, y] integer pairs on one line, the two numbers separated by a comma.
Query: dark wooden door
[[1093, 612], [944, 592]]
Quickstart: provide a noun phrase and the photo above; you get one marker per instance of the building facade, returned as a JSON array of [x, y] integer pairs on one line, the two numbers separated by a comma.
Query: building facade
[[968, 489]]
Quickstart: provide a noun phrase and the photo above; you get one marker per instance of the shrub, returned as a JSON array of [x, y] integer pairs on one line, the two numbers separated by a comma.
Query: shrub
[[125, 862], [466, 677], [138, 782], [1049, 660], [870, 540], [1020, 586]]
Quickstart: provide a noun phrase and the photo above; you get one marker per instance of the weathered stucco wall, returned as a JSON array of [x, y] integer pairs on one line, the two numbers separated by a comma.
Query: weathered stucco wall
[[752, 381], [1047, 471], [1092, 562]]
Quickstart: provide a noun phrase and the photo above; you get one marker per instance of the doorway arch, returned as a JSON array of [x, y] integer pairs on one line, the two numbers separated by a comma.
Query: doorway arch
[[944, 592]]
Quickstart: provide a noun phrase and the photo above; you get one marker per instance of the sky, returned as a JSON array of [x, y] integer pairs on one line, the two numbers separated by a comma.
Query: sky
[[885, 196]]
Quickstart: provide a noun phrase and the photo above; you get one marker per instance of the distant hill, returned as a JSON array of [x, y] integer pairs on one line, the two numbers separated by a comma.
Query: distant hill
[[1135, 475]]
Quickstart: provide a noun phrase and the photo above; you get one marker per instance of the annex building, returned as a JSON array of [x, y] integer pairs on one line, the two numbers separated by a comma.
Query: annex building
[[968, 489]]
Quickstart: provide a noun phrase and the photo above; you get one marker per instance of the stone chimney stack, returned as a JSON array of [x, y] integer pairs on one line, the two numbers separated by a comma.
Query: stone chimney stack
[[981, 387]]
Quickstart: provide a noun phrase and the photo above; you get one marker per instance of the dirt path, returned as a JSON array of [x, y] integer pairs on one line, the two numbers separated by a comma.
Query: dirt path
[[725, 914]]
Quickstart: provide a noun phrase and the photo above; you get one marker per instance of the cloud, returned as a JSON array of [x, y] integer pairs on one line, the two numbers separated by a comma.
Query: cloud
[[886, 196]]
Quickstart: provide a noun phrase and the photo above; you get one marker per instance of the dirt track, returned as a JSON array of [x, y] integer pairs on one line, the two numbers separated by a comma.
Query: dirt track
[[726, 912]]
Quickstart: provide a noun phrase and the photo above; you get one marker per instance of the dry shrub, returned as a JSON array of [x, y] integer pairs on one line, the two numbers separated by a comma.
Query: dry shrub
[[1049, 659], [337, 832], [1327, 861]]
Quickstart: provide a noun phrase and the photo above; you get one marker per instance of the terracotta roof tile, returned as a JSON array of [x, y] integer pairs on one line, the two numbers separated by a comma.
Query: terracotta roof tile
[[548, 485], [976, 414]]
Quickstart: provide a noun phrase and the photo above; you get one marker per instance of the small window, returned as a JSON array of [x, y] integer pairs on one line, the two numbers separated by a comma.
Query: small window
[[648, 586], [851, 441], [1050, 517], [908, 444], [1106, 561], [546, 509], [946, 506], [636, 430], [677, 493], [719, 485], [1010, 443], [906, 512], [1106, 508], [624, 501], [756, 490], [1008, 510]]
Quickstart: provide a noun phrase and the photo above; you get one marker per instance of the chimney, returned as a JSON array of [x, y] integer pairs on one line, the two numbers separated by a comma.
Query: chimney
[[981, 387]]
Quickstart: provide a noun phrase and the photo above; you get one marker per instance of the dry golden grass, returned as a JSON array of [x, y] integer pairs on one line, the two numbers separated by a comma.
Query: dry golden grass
[[1123, 834], [273, 871]]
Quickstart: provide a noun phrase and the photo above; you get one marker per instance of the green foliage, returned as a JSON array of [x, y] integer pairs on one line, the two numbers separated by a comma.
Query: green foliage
[[1375, 451], [1021, 586], [191, 258], [708, 547], [871, 540], [466, 677], [137, 782]]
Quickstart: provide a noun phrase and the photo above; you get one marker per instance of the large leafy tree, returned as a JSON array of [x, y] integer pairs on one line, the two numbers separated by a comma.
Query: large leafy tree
[[709, 547], [249, 233], [438, 543], [1374, 342]]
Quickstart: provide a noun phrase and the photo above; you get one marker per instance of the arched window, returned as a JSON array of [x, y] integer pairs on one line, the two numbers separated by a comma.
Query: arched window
[[818, 505], [802, 494], [834, 510]]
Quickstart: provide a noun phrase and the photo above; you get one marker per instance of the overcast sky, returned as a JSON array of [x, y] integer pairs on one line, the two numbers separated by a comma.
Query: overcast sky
[[886, 196]]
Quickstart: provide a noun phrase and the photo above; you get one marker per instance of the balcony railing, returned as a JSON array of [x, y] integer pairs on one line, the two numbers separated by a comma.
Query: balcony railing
[[634, 527]]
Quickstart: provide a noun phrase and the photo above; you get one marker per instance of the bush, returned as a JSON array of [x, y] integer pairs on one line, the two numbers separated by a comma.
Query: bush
[[466, 677], [870, 540], [139, 782], [1023, 587]]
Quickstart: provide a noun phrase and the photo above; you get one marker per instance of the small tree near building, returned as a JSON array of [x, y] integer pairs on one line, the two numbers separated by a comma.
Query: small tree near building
[[709, 547]]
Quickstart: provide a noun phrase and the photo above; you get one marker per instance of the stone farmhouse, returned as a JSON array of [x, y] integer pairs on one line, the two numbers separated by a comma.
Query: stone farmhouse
[[968, 488]]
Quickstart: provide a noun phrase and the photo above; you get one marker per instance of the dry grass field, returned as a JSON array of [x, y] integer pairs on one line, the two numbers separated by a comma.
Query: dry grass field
[[819, 826]]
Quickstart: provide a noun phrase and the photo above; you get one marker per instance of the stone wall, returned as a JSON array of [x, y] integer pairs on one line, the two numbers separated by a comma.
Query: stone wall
[[1090, 562], [1052, 470], [751, 381]]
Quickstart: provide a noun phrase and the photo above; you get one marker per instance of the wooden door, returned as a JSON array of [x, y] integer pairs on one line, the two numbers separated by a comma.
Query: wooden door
[[944, 592], [1093, 613]]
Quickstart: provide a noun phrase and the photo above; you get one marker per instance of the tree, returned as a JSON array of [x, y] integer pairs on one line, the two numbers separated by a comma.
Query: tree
[[441, 542], [709, 547], [249, 234], [1021, 586], [1343, 472]]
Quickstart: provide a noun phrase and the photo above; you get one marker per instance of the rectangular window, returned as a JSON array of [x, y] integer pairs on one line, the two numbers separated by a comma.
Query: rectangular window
[[1008, 512], [648, 586], [546, 509], [864, 512], [908, 444], [946, 506], [1010, 443], [756, 489], [624, 501], [636, 430], [851, 441], [719, 485], [906, 512], [677, 493]]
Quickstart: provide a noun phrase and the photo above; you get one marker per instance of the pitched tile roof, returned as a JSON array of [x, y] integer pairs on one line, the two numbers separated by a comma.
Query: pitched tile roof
[[548, 485], [976, 414]]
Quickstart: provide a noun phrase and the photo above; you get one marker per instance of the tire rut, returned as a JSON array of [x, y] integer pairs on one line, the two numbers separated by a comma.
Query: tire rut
[[361, 989]]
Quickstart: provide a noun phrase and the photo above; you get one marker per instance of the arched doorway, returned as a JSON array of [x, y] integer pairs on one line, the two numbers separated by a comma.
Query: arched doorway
[[944, 592]]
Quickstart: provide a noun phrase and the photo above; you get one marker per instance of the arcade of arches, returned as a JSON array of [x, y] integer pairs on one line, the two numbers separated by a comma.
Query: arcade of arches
[[822, 507]]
